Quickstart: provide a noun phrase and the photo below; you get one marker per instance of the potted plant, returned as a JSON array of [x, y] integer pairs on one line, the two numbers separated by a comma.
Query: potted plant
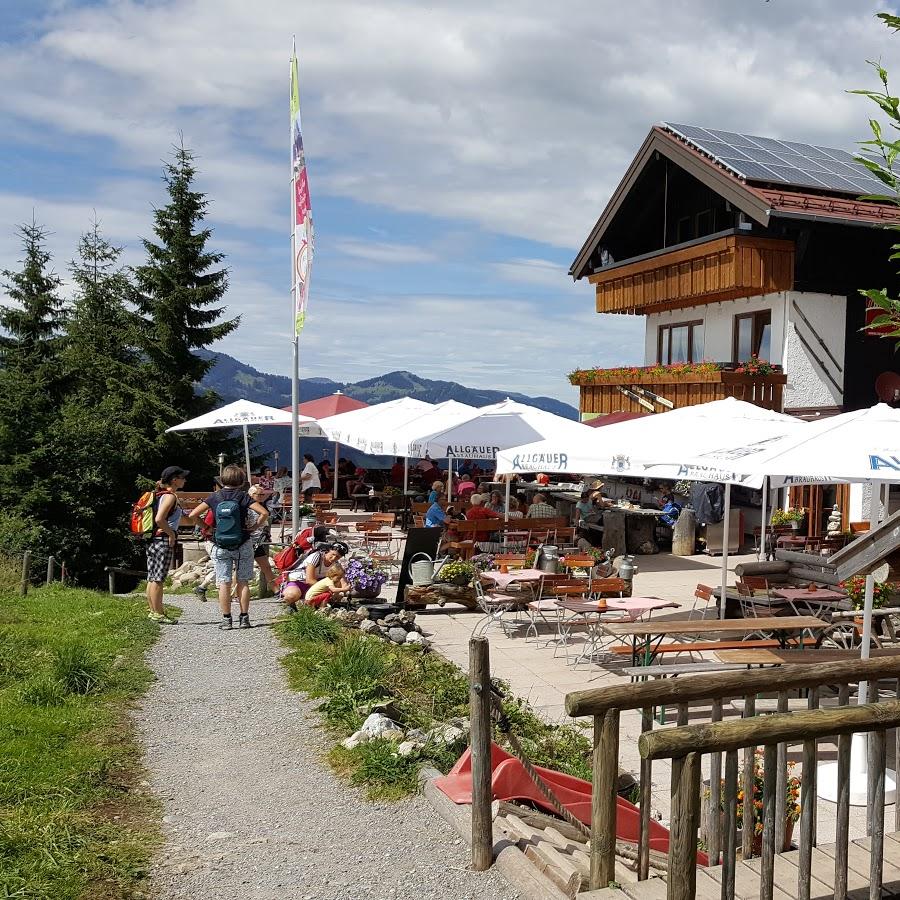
[[484, 562], [856, 591], [306, 512], [790, 516], [458, 572], [791, 809], [365, 578]]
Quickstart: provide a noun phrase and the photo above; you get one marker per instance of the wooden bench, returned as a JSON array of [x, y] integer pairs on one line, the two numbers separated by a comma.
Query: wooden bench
[[697, 646]]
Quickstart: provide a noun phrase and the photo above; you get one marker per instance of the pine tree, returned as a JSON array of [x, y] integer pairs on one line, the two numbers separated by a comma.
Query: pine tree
[[179, 289]]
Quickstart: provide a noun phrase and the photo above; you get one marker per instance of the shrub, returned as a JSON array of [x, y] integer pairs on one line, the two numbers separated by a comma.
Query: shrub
[[307, 624], [357, 664], [377, 765], [78, 669], [43, 690]]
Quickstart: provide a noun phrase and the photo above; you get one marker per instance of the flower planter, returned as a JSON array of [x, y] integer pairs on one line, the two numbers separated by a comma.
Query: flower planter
[[369, 593]]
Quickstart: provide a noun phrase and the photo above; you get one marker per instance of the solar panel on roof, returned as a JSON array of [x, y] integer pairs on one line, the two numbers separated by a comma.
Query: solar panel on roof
[[781, 162]]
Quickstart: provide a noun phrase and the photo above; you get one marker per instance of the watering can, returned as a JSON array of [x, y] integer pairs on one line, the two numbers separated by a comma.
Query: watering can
[[423, 571]]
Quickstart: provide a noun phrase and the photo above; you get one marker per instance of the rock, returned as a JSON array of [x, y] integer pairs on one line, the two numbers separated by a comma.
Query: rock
[[382, 623], [367, 626], [397, 634], [417, 735], [219, 836], [413, 637], [406, 617], [362, 613], [379, 725], [450, 733], [391, 619], [355, 739], [407, 748]]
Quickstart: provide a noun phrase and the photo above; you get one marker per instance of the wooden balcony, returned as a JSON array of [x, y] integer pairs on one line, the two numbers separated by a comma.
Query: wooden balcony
[[621, 391], [725, 268]]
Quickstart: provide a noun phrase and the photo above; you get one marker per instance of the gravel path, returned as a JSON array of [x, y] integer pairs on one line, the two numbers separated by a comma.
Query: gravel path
[[251, 811]]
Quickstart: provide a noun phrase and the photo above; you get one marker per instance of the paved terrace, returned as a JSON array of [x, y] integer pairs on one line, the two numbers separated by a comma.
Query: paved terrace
[[535, 674]]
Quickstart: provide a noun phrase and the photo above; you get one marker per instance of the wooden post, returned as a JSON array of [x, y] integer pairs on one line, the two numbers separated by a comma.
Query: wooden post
[[682, 876], [643, 860], [842, 833], [878, 759], [781, 783], [807, 817], [749, 761], [50, 570], [684, 534], [111, 575], [480, 743], [715, 794], [26, 571], [729, 859], [770, 779], [603, 799]]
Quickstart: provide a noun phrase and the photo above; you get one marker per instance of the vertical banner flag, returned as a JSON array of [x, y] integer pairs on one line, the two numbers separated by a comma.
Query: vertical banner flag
[[302, 226]]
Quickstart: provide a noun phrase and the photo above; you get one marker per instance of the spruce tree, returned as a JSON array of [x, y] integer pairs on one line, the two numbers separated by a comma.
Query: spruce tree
[[180, 289]]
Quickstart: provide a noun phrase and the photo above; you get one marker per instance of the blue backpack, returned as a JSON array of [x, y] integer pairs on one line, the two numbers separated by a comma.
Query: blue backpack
[[228, 528]]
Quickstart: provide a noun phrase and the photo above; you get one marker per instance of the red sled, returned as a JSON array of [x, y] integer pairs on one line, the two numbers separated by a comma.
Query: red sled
[[510, 781]]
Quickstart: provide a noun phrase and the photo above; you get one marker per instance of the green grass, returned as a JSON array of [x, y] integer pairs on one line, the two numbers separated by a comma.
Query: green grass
[[74, 821], [351, 673]]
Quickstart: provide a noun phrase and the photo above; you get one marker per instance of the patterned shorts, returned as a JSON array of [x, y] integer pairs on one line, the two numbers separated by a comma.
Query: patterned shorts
[[159, 558]]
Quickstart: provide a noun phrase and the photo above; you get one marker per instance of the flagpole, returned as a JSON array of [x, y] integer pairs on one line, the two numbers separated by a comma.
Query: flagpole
[[295, 344]]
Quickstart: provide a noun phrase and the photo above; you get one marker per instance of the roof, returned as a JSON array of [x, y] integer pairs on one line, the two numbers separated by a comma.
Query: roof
[[759, 198], [331, 405], [613, 418]]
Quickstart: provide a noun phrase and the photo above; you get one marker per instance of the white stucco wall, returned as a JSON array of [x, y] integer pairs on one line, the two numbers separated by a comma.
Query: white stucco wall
[[807, 385]]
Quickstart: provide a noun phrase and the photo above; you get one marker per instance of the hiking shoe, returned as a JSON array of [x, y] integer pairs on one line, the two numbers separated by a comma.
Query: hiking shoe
[[226, 624], [161, 619], [244, 621], [201, 593]]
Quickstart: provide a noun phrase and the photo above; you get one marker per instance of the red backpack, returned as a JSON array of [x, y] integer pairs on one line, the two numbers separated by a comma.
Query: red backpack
[[296, 550]]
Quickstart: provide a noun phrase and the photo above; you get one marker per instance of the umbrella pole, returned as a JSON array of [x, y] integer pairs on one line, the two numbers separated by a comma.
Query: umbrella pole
[[334, 478], [506, 507], [762, 529], [405, 475], [726, 532], [247, 452]]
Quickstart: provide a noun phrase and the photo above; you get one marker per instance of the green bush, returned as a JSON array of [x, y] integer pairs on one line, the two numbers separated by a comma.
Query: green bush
[[78, 669], [43, 690], [356, 664], [307, 624], [377, 765]]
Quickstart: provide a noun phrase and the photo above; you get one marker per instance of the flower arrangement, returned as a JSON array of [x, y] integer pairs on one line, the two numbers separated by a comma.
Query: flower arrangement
[[390, 491], [786, 516], [755, 366], [365, 577], [623, 373], [305, 509], [457, 572], [856, 591], [792, 805], [484, 562]]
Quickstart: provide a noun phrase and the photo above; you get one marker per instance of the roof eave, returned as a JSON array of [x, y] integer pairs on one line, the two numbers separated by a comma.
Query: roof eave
[[703, 169]]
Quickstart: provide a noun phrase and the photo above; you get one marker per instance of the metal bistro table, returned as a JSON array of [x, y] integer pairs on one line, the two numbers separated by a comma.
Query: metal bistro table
[[821, 601], [647, 637]]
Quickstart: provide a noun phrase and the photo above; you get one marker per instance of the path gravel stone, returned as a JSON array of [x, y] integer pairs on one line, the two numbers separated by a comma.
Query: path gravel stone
[[250, 809]]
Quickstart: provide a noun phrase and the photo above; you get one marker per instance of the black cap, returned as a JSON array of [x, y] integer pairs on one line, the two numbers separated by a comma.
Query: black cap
[[171, 472]]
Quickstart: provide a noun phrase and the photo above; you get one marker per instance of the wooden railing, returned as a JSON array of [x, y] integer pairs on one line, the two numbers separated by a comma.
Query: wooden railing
[[607, 704], [599, 397]]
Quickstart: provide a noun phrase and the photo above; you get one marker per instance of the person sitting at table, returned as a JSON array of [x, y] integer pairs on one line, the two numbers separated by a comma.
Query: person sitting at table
[[496, 503], [541, 509], [437, 490], [397, 471], [514, 512], [436, 515], [485, 538], [466, 487]]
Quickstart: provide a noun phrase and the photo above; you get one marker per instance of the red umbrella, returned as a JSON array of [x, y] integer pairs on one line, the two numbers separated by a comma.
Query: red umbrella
[[608, 419], [332, 405]]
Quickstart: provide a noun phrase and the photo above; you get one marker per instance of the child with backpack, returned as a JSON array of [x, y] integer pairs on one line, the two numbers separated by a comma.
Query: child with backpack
[[231, 538]]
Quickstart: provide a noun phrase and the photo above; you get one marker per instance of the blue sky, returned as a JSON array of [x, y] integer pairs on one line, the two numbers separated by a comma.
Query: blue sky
[[458, 153]]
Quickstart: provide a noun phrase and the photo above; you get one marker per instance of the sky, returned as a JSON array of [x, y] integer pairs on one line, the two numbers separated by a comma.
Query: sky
[[459, 152]]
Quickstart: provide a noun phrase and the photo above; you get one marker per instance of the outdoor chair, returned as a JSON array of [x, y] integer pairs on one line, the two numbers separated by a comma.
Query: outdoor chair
[[388, 519], [753, 606], [704, 595], [381, 550], [322, 501], [578, 561], [495, 605], [510, 560]]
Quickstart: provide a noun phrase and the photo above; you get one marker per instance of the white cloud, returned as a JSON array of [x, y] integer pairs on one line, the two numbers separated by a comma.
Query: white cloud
[[542, 272], [384, 252]]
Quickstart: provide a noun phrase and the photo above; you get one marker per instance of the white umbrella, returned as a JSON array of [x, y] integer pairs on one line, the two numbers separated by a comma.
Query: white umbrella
[[355, 427], [240, 414], [660, 446], [859, 446]]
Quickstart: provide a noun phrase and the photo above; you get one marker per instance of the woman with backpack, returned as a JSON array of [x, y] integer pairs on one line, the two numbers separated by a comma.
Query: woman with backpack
[[161, 547], [232, 542]]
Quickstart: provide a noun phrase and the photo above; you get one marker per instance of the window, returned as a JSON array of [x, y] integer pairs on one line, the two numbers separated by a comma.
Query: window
[[682, 342], [752, 336]]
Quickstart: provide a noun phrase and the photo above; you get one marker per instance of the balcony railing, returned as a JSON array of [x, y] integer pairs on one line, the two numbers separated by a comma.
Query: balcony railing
[[655, 389]]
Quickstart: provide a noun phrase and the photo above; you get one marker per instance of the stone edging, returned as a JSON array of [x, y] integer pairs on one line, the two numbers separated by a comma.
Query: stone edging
[[509, 859]]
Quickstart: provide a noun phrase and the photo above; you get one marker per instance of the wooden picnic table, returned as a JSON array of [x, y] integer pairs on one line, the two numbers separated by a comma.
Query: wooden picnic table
[[764, 657], [654, 632]]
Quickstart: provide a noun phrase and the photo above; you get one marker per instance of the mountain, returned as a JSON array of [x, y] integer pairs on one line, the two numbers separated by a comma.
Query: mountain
[[232, 379]]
